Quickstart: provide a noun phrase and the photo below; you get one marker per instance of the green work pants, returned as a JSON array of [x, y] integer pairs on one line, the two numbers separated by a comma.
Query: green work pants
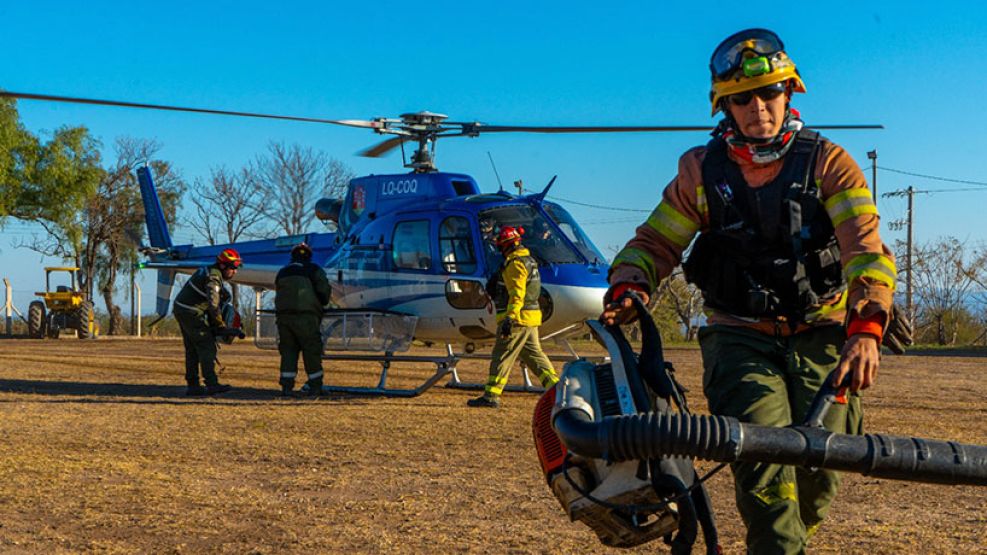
[[771, 380], [523, 342], [300, 333], [200, 348]]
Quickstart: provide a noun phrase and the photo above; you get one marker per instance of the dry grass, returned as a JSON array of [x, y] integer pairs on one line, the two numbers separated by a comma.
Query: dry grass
[[102, 453]]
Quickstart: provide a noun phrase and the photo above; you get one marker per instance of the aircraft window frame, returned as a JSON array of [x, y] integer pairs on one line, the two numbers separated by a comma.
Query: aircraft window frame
[[547, 250], [420, 263], [576, 236], [456, 242]]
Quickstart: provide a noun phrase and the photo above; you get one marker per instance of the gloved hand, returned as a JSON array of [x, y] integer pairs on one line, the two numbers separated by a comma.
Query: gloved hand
[[898, 336], [505, 328], [621, 311]]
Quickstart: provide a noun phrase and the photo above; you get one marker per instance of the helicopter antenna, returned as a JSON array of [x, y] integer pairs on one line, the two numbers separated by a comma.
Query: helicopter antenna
[[499, 183], [541, 196]]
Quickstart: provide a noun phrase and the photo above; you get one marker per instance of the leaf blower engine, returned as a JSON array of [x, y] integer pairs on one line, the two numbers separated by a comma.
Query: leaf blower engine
[[619, 459], [632, 501]]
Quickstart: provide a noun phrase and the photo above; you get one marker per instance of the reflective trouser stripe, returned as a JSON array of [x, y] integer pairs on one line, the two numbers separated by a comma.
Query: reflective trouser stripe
[[524, 343], [548, 379], [771, 381], [298, 334]]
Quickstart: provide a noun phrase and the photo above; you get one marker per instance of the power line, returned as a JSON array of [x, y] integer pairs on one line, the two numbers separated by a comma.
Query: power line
[[599, 207], [934, 177]]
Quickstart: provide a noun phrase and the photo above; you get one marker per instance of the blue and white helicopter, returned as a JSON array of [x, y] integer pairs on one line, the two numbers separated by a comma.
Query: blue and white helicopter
[[414, 244]]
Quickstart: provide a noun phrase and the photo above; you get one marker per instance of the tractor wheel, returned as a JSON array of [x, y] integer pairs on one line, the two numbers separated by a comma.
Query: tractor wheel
[[36, 320], [86, 320]]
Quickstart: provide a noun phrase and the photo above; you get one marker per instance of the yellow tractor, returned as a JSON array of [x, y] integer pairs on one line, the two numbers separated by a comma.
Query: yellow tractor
[[65, 308]]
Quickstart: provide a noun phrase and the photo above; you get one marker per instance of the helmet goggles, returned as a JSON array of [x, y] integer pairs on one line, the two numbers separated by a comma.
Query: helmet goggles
[[729, 55]]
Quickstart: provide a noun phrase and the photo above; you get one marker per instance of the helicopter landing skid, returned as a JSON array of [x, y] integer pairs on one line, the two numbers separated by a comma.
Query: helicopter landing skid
[[444, 365]]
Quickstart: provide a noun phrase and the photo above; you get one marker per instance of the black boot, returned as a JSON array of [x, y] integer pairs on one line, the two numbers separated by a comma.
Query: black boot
[[484, 402], [195, 390], [315, 388], [218, 388], [287, 388]]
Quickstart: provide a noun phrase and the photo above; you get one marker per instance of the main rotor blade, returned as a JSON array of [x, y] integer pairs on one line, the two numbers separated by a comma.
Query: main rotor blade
[[481, 128], [383, 147], [75, 100]]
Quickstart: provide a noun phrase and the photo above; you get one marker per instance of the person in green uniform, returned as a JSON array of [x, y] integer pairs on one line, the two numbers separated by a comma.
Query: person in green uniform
[[515, 289], [796, 281], [197, 310], [301, 292]]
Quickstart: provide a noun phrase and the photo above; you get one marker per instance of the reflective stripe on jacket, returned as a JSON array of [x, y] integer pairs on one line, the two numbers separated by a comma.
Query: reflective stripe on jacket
[[201, 293], [867, 264]]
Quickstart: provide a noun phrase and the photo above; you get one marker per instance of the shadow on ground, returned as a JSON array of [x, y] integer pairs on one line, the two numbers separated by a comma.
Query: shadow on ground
[[141, 393]]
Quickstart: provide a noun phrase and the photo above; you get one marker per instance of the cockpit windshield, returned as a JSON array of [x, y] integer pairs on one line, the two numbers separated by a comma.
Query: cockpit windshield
[[572, 230], [541, 237]]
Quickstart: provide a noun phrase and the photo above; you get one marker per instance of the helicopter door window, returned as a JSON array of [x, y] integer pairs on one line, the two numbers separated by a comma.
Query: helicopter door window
[[456, 246], [411, 246]]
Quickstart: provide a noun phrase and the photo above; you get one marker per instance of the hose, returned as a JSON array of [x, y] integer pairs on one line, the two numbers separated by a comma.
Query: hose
[[726, 439]]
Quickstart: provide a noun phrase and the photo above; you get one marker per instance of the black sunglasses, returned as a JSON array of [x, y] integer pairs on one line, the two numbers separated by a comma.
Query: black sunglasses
[[766, 93]]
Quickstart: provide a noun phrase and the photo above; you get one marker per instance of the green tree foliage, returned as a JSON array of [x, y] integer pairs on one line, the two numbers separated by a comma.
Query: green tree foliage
[[18, 150], [45, 181]]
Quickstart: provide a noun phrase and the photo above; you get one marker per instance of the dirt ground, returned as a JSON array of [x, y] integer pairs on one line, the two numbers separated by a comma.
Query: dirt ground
[[101, 452]]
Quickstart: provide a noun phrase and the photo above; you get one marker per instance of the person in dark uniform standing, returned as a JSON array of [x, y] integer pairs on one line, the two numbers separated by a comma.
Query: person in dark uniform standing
[[197, 310], [301, 292], [515, 289]]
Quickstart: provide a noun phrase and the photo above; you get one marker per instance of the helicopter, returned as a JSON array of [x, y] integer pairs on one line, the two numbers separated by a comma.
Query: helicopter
[[413, 243]]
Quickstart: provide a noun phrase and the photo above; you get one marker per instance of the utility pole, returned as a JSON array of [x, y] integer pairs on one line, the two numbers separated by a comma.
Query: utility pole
[[133, 300], [872, 156], [898, 224]]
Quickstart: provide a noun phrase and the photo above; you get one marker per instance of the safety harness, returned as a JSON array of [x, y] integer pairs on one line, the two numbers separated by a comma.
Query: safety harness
[[770, 251]]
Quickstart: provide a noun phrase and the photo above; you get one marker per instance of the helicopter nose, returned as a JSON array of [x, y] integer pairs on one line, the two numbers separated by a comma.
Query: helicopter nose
[[572, 304]]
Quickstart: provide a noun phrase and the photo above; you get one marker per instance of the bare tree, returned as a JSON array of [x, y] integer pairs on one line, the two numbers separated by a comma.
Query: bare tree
[[227, 209], [292, 178], [942, 273], [119, 212], [684, 299]]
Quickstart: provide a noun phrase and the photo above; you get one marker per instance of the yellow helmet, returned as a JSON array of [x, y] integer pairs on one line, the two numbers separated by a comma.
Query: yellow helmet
[[749, 60]]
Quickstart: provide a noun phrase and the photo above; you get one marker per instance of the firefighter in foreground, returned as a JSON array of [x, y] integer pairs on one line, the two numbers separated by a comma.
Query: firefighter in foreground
[[197, 309], [794, 275], [301, 292], [514, 289]]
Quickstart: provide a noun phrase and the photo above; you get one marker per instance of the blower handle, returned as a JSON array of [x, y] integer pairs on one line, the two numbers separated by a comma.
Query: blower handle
[[824, 399]]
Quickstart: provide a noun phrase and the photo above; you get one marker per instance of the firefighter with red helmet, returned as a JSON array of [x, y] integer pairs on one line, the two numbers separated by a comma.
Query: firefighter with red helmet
[[301, 292], [197, 310], [514, 288], [795, 278]]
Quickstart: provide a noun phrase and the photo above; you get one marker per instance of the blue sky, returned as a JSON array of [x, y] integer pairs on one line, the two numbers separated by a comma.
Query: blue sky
[[914, 67]]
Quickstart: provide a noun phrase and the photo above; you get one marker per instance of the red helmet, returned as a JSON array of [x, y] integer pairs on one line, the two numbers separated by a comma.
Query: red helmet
[[508, 237], [229, 258]]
